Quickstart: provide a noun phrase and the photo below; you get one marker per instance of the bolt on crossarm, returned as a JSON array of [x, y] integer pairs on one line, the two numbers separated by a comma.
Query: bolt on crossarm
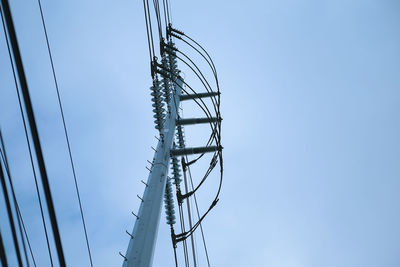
[[143, 239]]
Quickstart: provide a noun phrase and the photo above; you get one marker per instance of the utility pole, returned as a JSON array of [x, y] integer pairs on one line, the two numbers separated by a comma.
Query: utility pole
[[168, 93], [143, 239]]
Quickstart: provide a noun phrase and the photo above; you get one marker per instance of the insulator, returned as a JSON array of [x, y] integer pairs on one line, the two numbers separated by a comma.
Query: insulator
[[176, 171], [166, 81], [169, 203], [172, 59], [179, 135], [158, 105]]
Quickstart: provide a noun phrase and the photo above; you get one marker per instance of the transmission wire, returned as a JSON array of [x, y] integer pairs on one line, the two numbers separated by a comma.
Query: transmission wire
[[10, 215], [3, 255], [66, 133], [208, 114], [168, 12], [181, 215], [198, 213], [158, 17], [190, 231], [18, 214], [215, 134], [28, 142], [147, 29], [150, 28], [166, 19], [182, 220], [189, 217], [34, 131]]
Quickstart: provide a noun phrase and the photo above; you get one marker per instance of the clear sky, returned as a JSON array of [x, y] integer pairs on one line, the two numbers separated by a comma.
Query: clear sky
[[311, 104]]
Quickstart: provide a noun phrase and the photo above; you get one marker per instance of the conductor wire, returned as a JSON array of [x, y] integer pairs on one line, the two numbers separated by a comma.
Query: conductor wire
[[10, 215], [28, 142], [150, 28], [66, 134], [17, 211], [34, 130]]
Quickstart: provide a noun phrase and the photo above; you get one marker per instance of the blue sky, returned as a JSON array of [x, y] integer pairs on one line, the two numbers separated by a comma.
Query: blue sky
[[311, 104]]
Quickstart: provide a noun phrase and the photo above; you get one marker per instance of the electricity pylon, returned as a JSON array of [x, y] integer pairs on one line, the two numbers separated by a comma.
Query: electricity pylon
[[167, 93]]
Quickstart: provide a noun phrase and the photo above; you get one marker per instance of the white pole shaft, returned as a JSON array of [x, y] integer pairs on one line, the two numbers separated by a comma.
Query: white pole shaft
[[141, 246]]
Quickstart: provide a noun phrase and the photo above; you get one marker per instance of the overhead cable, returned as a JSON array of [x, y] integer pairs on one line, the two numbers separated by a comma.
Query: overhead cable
[[66, 134], [3, 155], [27, 140], [34, 130]]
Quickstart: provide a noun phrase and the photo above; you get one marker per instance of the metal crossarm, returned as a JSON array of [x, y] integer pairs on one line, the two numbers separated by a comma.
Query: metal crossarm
[[198, 95], [196, 121], [167, 91], [194, 150]]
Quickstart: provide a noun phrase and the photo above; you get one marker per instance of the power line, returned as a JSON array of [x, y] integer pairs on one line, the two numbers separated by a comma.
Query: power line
[[150, 43], [197, 211], [184, 235], [198, 216], [26, 235], [34, 131], [150, 29], [166, 19], [3, 255], [66, 133], [10, 215], [3, 155], [158, 17], [182, 220], [189, 212], [28, 143]]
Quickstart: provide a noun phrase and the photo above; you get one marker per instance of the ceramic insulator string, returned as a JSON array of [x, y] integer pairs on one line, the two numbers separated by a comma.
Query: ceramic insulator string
[[158, 105]]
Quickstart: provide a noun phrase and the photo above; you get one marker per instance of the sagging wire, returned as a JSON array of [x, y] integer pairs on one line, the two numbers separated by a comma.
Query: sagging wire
[[205, 109], [171, 76], [200, 75], [216, 101], [183, 236], [179, 34], [214, 126], [175, 76]]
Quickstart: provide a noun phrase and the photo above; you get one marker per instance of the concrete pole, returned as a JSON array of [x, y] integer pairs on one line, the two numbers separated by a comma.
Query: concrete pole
[[143, 239]]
